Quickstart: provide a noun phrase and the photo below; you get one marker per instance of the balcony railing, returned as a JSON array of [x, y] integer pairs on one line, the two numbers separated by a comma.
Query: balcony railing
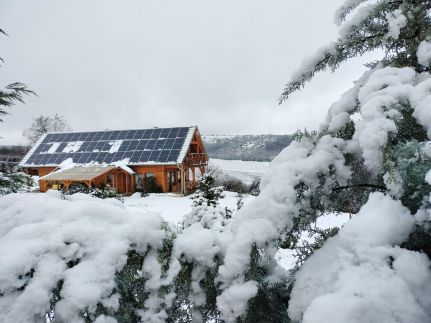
[[196, 158]]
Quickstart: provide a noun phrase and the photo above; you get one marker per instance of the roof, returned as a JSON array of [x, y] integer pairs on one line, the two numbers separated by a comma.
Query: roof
[[131, 147], [80, 173]]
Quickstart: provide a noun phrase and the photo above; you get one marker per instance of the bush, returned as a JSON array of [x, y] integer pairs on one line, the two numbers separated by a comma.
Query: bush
[[14, 181], [102, 192], [150, 185], [206, 192], [234, 185]]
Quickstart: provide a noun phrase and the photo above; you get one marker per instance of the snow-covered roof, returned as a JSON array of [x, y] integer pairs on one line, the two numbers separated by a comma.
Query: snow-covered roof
[[81, 173], [154, 146]]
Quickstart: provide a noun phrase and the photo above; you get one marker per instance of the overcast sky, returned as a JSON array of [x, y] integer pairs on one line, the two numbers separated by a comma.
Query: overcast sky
[[220, 64]]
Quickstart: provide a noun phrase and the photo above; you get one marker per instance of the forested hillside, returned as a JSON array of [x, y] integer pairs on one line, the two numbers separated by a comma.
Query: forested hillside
[[246, 147]]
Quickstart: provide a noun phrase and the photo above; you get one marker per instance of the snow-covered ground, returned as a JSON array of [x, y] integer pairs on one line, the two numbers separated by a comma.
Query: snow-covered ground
[[173, 207], [246, 171]]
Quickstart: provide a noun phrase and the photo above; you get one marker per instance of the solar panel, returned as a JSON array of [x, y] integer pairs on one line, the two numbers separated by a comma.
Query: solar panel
[[139, 146]]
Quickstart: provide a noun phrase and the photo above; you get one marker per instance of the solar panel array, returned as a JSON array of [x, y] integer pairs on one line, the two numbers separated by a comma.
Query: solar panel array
[[158, 145]]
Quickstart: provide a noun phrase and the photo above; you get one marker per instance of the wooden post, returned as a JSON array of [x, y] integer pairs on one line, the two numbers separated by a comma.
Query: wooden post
[[193, 176], [202, 169], [183, 180], [127, 183], [67, 184]]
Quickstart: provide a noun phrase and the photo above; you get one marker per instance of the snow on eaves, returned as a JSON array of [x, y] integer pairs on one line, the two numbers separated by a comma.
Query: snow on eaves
[[186, 144], [23, 162]]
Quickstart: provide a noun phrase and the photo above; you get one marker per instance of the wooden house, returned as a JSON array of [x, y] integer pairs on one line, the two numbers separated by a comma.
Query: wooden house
[[170, 158]]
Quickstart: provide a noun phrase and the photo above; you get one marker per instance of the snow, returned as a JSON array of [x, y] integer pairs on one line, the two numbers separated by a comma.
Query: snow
[[421, 100], [66, 164], [246, 171], [356, 19], [259, 223], [115, 146], [72, 147], [424, 53], [127, 169], [204, 251], [53, 147], [360, 276], [396, 21], [344, 9], [123, 165], [339, 112], [233, 302], [379, 98], [46, 232], [211, 139], [173, 207], [308, 65]]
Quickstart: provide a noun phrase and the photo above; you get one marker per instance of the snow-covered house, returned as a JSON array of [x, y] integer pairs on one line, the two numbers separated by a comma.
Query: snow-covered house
[[124, 159]]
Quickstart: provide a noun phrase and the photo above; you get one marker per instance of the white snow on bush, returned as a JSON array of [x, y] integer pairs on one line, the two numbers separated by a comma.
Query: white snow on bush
[[45, 232], [233, 302], [424, 53], [345, 8], [380, 99], [421, 102], [339, 112], [396, 21], [356, 19], [260, 222], [360, 276], [308, 65], [380, 95]]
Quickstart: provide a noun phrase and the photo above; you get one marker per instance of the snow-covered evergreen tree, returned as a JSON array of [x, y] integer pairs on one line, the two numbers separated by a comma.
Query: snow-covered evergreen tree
[[375, 138], [206, 192], [14, 181]]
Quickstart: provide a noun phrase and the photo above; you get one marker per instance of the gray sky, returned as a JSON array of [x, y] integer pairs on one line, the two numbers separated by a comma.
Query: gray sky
[[221, 65]]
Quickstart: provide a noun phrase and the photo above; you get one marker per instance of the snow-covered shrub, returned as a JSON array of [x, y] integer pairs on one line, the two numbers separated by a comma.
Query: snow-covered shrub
[[149, 185], [233, 185], [361, 275], [206, 192], [103, 192], [254, 188], [14, 181], [66, 253]]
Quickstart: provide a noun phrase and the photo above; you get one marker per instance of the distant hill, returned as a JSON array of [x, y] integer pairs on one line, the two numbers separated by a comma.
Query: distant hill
[[246, 147]]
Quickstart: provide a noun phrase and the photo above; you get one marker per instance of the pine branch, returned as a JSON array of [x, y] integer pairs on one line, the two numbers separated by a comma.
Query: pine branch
[[14, 93], [375, 186]]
